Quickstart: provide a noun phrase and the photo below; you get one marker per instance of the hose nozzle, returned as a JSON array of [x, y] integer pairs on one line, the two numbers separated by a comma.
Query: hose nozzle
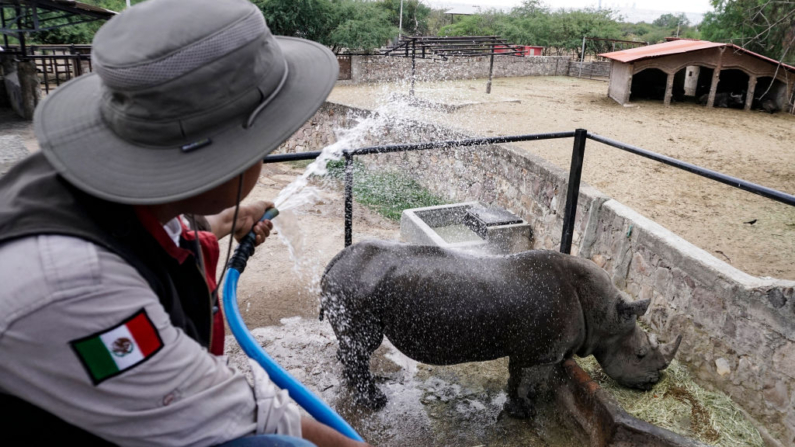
[[246, 247]]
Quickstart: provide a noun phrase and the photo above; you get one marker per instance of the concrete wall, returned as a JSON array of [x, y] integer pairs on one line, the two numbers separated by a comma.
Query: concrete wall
[[388, 69], [620, 81], [739, 330]]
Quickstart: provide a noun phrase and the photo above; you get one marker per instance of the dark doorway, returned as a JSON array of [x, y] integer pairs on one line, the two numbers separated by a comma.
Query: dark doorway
[[732, 89], [770, 95], [648, 84], [678, 93], [704, 83], [733, 81]]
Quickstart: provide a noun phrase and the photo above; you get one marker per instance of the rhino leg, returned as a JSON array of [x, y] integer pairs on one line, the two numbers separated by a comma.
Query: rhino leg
[[357, 342], [517, 406]]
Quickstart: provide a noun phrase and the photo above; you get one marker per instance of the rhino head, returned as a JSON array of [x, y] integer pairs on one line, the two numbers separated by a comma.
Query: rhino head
[[633, 357]]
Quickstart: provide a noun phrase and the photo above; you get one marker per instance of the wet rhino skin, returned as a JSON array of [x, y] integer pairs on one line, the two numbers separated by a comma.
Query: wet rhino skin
[[444, 307]]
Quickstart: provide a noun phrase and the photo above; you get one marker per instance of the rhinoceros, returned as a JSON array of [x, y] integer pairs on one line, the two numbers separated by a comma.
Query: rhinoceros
[[443, 307]]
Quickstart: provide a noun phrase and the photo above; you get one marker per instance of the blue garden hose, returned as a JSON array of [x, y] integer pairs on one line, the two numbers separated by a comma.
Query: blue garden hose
[[298, 392]]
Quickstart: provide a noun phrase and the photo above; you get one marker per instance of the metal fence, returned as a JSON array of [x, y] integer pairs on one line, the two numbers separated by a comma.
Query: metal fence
[[57, 64], [575, 172], [590, 70]]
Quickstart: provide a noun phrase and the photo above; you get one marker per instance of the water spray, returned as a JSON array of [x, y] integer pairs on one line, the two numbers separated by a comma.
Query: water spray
[[298, 392]]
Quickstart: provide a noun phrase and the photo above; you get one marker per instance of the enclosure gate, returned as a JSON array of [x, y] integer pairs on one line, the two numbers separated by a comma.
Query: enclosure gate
[[575, 172], [344, 61]]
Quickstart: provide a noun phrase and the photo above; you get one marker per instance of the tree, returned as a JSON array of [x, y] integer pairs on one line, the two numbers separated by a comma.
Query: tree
[[671, 21], [568, 27], [530, 8], [308, 19], [82, 33], [763, 26], [415, 15], [362, 25], [484, 24]]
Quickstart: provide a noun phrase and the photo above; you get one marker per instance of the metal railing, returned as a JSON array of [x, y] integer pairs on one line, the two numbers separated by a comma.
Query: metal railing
[[55, 69], [56, 64], [575, 171]]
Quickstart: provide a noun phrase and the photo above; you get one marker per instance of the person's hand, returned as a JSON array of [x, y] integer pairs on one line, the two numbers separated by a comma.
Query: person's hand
[[248, 215], [324, 436]]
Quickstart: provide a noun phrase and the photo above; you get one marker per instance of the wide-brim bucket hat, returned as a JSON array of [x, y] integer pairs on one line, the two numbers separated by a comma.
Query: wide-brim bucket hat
[[185, 96]]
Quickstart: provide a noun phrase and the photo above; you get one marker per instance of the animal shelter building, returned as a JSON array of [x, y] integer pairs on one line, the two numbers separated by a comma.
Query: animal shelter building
[[711, 73]]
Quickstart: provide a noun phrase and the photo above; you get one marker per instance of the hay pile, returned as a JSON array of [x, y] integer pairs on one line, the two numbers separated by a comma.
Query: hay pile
[[678, 404]]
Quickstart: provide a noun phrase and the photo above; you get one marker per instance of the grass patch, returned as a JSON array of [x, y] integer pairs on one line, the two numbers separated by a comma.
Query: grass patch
[[299, 164], [678, 404], [387, 193]]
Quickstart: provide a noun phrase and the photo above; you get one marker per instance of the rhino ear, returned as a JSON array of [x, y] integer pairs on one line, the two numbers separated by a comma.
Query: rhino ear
[[628, 309]]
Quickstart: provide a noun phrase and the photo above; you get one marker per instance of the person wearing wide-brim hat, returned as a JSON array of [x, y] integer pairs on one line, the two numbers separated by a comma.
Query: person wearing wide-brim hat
[[108, 316]]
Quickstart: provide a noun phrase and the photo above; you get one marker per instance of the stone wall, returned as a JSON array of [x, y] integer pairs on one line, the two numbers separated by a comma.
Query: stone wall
[[388, 68], [739, 330]]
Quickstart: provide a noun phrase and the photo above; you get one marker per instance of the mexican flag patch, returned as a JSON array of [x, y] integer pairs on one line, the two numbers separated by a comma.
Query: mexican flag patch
[[118, 349]]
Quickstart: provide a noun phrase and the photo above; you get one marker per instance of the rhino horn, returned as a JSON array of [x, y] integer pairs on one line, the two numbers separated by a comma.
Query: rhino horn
[[627, 309], [668, 350]]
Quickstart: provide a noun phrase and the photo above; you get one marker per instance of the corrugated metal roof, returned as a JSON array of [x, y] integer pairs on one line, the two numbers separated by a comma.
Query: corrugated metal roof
[[680, 46], [661, 49]]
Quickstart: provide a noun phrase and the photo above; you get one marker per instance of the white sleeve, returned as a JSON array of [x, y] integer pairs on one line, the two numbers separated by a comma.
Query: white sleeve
[[63, 289], [276, 413]]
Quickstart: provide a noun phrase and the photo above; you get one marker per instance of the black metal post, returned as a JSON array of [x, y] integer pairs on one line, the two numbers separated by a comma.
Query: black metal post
[[491, 69], [20, 35], [44, 74], [76, 61], [573, 191], [3, 25], [413, 64], [55, 70], [348, 198]]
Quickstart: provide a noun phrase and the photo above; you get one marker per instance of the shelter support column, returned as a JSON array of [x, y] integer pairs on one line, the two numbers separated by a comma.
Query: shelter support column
[[749, 98], [669, 89], [713, 89]]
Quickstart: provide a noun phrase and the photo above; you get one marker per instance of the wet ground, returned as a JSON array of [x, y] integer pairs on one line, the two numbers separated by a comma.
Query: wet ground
[[457, 405]]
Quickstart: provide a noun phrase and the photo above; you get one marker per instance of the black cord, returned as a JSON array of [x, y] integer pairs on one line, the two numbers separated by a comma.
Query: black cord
[[232, 231], [199, 253]]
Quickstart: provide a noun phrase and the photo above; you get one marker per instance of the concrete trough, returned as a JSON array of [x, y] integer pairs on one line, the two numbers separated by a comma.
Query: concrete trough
[[469, 226], [592, 411]]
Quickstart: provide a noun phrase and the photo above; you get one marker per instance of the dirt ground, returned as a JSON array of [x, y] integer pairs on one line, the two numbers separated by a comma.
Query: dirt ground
[[753, 146], [272, 287]]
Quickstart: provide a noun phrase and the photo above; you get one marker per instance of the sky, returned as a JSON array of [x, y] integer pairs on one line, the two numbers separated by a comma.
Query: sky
[[699, 6]]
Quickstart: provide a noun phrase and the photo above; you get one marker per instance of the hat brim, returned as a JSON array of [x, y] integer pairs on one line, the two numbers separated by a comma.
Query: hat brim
[[85, 151]]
